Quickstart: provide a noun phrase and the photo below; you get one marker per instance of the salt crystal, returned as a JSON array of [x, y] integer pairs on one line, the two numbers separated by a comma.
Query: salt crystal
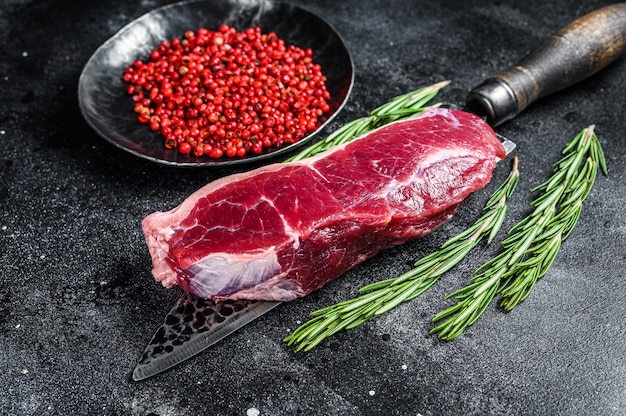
[[404, 366], [253, 412], [372, 392]]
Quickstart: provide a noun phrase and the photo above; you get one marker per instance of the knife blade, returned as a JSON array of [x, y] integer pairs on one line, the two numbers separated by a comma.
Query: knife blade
[[570, 55], [193, 325]]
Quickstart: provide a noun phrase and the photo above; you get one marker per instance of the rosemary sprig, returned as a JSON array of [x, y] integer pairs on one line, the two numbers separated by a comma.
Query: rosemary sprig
[[533, 243], [402, 107], [380, 297]]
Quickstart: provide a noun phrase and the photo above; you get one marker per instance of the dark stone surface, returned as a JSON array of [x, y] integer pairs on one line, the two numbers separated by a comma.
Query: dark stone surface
[[78, 303]]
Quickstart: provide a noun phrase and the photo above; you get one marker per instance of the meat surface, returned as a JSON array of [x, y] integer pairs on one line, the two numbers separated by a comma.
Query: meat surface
[[284, 230]]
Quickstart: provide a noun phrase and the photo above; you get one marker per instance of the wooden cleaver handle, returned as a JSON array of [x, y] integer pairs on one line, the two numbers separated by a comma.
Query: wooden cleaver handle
[[570, 55]]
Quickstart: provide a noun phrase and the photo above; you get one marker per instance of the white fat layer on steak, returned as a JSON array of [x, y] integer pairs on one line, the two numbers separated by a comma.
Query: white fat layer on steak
[[222, 273], [158, 247]]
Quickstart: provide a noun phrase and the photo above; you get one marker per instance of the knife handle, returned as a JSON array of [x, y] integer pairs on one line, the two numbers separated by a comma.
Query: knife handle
[[570, 55]]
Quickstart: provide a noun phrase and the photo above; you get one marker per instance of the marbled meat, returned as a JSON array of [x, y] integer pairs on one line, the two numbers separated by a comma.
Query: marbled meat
[[284, 230]]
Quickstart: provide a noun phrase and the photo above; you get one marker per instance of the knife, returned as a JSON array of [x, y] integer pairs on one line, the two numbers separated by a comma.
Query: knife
[[191, 326], [570, 55]]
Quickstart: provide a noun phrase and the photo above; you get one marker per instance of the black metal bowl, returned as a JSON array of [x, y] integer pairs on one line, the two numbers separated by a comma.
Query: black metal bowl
[[108, 108]]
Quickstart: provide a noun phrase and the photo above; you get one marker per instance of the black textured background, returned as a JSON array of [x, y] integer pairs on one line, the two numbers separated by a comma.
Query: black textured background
[[78, 303]]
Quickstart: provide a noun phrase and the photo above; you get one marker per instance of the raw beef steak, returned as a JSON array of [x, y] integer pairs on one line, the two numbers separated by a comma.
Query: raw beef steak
[[281, 231]]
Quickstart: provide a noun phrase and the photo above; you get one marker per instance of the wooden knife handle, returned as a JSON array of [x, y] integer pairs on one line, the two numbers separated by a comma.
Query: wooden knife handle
[[570, 55]]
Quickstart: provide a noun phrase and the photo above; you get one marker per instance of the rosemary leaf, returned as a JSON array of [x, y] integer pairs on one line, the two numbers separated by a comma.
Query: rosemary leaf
[[402, 107], [533, 243]]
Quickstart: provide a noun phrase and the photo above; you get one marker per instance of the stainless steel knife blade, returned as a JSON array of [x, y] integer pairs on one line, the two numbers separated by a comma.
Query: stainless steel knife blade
[[193, 325], [509, 145]]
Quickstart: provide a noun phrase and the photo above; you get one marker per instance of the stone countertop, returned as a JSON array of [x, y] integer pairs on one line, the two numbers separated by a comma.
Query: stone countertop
[[78, 303]]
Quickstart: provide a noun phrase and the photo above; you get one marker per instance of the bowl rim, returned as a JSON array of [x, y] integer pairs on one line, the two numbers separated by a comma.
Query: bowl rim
[[207, 162]]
